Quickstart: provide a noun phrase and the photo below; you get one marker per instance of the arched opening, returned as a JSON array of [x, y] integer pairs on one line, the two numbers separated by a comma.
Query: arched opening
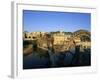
[[85, 38]]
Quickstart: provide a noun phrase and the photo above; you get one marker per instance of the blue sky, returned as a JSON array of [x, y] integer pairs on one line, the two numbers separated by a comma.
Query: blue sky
[[55, 21]]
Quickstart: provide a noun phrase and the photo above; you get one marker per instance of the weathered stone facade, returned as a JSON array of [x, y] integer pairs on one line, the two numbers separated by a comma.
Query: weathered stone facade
[[60, 41]]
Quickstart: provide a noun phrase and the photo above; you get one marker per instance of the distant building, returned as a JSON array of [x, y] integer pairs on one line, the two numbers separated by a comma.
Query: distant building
[[60, 41], [60, 38], [32, 35]]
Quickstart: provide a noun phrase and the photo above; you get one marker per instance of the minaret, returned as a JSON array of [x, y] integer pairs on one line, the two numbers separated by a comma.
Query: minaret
[[61, 31]]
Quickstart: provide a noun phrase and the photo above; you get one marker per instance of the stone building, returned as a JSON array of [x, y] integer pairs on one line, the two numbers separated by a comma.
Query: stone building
[[60, 38], [60, 41], [32, 35]]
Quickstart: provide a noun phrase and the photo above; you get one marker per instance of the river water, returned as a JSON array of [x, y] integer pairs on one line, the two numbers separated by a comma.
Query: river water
[[52, 60]]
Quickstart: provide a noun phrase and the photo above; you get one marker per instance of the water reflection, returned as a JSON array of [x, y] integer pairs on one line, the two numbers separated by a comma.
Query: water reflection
[[47, 59]]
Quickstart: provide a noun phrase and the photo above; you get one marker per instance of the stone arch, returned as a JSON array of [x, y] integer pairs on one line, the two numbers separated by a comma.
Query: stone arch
[[82, 34]]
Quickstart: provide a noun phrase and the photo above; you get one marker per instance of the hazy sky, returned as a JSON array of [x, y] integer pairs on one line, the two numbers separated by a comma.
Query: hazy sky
[[55, 21]]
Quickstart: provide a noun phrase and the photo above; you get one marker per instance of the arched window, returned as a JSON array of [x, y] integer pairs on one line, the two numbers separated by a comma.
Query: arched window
[[34, 37], [29, 36]]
